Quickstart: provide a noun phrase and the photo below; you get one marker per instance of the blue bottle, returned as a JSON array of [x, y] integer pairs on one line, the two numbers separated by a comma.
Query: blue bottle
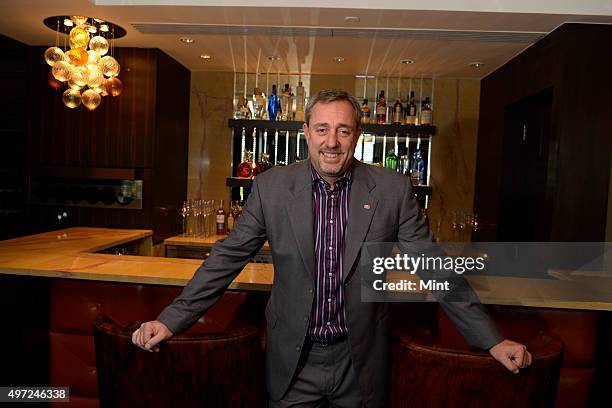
[[273, 104]]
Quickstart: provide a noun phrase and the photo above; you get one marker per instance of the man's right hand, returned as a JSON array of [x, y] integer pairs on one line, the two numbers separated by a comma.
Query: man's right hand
[[150, 334]]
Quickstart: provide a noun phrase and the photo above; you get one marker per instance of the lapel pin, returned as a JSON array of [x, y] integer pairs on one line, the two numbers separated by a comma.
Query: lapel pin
[[366, 206]]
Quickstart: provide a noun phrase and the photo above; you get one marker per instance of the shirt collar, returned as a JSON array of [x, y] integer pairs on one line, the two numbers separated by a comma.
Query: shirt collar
[[345, 179]]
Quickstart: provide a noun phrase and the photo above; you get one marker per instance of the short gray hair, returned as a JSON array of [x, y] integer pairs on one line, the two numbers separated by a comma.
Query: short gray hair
[[333, 95]]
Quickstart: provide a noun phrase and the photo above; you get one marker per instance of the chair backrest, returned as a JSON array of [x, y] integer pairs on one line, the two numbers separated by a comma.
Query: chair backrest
[[190, 370], [427, 374]]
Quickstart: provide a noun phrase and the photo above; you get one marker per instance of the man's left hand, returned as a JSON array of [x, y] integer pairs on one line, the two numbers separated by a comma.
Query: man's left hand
[[512, 355]]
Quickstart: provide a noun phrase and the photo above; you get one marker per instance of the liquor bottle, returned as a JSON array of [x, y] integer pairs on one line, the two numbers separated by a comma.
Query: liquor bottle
[[417, 169], [259, 104], [245, 169], [221, 220], [273, 105], [365, 112], [262, 165], [245, 111], [381, 109], [239, 113], [426, 112], [391, 160], [411, 118], [398, 112], [299, 102], [230, 221], [286, 103]]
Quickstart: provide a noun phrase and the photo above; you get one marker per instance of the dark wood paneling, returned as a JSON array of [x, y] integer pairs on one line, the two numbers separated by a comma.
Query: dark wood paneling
[[13, 130], [574, 64], [171, 145], [143, 132], [119, 133]]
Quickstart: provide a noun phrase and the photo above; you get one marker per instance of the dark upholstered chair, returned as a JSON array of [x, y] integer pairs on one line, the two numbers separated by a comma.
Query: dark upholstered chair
[[426, 373], [191, 370]]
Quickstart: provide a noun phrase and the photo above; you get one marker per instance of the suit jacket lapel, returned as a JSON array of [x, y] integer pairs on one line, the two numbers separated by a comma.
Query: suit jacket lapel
[[361, 210], [301, 216]]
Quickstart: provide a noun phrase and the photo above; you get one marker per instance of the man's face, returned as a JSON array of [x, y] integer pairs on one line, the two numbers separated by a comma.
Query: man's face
[[331, 136]]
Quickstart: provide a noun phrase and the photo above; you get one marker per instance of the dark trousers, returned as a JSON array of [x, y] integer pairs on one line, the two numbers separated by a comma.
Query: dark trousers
[[324, 378]]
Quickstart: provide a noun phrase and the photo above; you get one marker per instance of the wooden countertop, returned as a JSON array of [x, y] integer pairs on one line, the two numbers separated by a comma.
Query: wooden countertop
[[182, 240], [68, 253]]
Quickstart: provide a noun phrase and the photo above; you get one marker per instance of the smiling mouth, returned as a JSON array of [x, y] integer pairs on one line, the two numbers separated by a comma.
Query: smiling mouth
[[328, 155]]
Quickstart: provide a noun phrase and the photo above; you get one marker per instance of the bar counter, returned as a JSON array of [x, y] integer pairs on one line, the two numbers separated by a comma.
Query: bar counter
[[71, 253]]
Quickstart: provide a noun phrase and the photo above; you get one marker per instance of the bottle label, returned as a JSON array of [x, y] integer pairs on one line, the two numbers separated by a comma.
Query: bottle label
[[397, 116], [380, 110], [220, 219], [426, 117]]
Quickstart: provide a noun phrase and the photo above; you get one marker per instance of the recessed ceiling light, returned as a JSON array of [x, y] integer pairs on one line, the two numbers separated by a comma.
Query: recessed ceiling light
[[477, 64], [407, 61], [274, 57], [339, 59], [68, 22], [205, 56], [104, 28], [365, 76], [186, 40], [352, 19]]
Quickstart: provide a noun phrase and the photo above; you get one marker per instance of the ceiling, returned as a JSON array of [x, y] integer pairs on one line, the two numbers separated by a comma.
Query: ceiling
[[240, 38]]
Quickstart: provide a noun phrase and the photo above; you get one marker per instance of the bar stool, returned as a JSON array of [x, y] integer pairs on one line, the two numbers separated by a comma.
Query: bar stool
[[191, 370], [426, 373]]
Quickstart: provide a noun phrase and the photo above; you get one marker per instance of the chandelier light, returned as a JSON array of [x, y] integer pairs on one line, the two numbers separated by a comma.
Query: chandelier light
[[85, 68]]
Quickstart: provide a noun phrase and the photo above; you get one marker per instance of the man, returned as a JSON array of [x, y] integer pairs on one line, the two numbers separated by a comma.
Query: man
[[324, 345]]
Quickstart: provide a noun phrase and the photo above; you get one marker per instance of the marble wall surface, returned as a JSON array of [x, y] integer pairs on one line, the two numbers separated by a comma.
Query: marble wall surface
[[453, 157], [210, 140], [453, 152]]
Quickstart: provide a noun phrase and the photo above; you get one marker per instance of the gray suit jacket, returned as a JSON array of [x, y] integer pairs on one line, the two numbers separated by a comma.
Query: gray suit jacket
[[280, 210]]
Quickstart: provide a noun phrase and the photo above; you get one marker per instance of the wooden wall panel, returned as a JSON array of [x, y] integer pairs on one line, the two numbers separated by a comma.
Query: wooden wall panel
[[573, 62]]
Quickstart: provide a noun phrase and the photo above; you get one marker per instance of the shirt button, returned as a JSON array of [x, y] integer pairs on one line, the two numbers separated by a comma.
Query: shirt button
[[331, 221], [329, 274], [328, 323], [331, 248], [310, 290], [305, 318], [328, 300], [298, 348]]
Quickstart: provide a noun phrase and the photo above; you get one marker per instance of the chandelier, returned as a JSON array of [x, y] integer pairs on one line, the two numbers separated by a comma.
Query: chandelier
[[85, 67]]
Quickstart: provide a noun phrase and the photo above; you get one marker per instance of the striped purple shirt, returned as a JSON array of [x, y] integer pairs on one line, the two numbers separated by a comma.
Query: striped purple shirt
[[328, 319]]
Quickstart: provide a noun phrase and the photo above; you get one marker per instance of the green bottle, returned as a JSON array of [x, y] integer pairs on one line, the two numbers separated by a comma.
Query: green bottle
[[391, 160]]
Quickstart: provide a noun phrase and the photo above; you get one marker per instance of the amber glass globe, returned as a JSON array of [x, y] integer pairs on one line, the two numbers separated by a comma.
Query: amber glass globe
[[53, 54], [94, 77], [110, 66], [79, 77], [53, 83], [79, 38], [61, 71], [93, 57], [99, 45], [71, 98], [91, 99], [78, 56], [114, 86], [73, 85]]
